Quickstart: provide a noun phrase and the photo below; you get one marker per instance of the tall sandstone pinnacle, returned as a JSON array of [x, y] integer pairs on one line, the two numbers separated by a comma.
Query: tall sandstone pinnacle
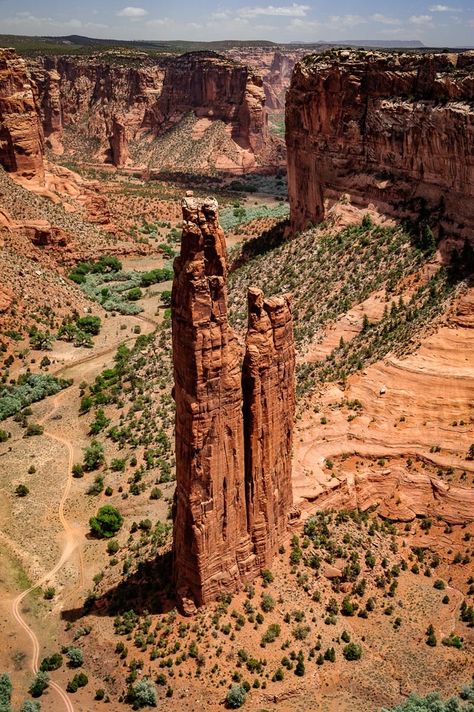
[[230, 509], [269, 408]]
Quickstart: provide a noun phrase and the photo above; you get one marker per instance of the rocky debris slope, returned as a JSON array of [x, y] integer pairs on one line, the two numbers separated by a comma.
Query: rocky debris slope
[[226, 502], [396, 130], [21, 134]]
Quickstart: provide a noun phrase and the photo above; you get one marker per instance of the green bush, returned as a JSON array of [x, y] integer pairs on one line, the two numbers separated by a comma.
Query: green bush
[[352, 651], [75, 656], [4, 436], [21, 491], [106, 523], [143, 694], [54, 662], [30, 706], [6, 689], [89, 324], [33, 429], [236, 697], [39, 684]]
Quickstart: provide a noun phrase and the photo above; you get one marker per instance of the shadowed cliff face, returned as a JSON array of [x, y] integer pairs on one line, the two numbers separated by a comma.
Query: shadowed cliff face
[[395, 130], [21, 135], [232, 499]]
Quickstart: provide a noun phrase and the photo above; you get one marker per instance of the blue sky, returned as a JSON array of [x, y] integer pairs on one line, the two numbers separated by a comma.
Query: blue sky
[[304, 20]]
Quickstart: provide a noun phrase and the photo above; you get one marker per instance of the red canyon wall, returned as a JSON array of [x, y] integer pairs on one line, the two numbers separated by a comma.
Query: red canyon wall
[[393, 129], [225, 531], [21, 135]]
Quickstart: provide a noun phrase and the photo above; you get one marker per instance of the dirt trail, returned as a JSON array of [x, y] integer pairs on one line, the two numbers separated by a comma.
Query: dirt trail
[[72, 536], [71, 544]]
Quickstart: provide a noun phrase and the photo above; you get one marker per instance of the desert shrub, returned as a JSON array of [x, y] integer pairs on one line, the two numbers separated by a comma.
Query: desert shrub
[[54, 662], [30, 706], [271, 634], [112, 546], [236, 697], [106, 523], [352, 651], [75, 657], [267, 603], [39, 684], [21, 490], [33, 429], [143, 694], [4, 436]]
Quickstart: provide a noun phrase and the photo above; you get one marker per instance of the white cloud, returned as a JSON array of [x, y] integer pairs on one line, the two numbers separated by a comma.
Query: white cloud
[[384, 20], [337, 21], [132, 12], [294, 10], [444, 8], [299, 24], [31, 24], [421, 20]]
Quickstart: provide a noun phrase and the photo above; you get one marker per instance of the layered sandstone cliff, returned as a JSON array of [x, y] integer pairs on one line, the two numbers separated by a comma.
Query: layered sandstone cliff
[[21, 135], [93, 92], [111, 104], [231, 507], [269, 406], [396, 130], [214, 88]]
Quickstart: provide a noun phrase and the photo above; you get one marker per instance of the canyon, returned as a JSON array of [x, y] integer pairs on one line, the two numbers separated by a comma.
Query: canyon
[[394, 130], [233, 465], [278, 403], [117, 106]]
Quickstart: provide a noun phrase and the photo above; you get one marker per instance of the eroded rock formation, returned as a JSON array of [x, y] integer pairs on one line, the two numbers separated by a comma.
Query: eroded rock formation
[[21, 135], [269, 405], [225, 531], [214, 88], [118, 142], [396, 130]]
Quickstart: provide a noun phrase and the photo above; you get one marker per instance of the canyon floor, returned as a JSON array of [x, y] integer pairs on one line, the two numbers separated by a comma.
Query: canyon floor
[[386, 446]]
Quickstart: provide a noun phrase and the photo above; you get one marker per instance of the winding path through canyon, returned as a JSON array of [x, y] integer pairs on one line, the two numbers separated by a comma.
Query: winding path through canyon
[[71, 543], [72, 534]]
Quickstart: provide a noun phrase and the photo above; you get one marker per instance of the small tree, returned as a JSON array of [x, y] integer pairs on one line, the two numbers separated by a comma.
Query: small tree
[[89, 324], [352, 651], [39, 684], [93, 456], [106, 523]]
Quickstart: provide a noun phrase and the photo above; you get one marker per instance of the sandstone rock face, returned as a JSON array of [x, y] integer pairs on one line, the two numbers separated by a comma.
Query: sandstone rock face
[[396, 130], [94, 92], [221, 518], [269, 405], [215, 88], [118, 142], [21, 135]]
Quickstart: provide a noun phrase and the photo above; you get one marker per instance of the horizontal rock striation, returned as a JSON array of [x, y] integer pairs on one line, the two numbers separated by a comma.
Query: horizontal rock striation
[[227, 521], [21, 134], [396, 130]]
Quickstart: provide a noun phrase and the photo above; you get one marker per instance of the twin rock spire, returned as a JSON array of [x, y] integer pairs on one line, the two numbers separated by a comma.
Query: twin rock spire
[[234, 420]]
